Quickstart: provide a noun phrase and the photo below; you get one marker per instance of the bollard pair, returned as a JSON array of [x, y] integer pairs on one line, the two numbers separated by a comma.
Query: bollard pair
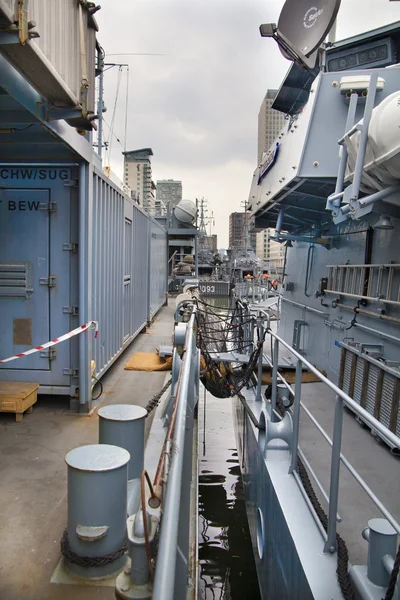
[[95, 542]]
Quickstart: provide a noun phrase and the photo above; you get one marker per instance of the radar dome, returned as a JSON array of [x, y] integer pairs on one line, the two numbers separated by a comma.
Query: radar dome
[[185, 211]]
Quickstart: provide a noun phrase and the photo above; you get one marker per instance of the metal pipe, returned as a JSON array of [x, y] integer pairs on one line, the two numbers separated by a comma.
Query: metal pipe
[[296, 415], [100, 107], [378, 196], [279, 221], [369, 313], [85, 236], [351, 114], [166, 558], [377, 332], [260, 358], [280, 377], [274, 378], [354, 473], [309, 308], [369, 106], [336, 196], [331, 544], [349, 401]]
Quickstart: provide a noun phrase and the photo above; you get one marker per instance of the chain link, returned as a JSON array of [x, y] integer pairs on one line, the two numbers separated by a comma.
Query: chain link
[[155, 401], [90, 561]]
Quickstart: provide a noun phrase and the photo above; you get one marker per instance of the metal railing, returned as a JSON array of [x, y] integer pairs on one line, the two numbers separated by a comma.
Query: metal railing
[[336, 456], [255, 291], [174, 521]]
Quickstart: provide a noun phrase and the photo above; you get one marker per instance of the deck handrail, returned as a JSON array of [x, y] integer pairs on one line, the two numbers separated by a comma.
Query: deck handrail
[[164, 580], [336, 456]]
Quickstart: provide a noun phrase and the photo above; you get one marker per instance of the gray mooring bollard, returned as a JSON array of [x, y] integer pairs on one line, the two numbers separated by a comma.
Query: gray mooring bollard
[[97, 508], [382, 541], [123, 425]]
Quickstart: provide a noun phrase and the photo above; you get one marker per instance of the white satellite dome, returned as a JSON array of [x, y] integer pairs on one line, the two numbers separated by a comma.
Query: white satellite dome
[[185, 211]]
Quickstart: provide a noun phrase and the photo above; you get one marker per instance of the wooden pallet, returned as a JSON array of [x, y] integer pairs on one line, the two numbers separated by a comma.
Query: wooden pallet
[[17, 397]]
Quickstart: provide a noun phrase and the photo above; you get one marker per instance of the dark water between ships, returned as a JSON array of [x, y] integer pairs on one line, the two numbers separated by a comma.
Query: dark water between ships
[[226, 563]]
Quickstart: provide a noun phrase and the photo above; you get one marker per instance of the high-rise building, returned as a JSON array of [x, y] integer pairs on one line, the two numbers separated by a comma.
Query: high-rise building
[[169, 190], [270, 124], [237, 232], [137, 175], [269, 250]]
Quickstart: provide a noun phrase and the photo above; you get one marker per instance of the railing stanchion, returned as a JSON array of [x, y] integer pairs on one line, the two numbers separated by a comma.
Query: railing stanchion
[[330, 545], [260, 330], [296, 415], [274, 379]]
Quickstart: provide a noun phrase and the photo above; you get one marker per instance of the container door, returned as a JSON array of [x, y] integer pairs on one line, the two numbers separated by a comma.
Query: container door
[[24, 276]]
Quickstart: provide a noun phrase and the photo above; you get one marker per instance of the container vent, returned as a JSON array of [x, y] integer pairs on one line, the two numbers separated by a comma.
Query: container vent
[[15, 280]]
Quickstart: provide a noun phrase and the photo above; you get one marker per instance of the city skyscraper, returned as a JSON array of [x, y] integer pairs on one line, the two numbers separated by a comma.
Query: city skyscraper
[[237, 231], [137, 175], [270, 124], [269, 250], [168, 190]]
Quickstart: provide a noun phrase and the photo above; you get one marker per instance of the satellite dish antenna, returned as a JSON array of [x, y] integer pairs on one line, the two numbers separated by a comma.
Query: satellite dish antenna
[[302, 27]]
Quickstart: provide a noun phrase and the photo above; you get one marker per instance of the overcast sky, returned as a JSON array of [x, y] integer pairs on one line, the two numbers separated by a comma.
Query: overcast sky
[[197, 105]]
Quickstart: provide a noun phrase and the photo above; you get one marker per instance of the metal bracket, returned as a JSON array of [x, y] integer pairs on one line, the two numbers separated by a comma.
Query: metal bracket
[[70, 247], [50, 281], [71, 310], [49, 206], [50, 353], [74, 372], [11, 35], [297, 328]]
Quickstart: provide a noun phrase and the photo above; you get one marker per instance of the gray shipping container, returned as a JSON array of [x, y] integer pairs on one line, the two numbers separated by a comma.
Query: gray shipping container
[[59, 60], [73, 248]]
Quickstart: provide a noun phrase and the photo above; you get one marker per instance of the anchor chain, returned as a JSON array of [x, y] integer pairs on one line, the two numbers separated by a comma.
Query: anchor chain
[[155, 401], [393, 577], [90, 561]]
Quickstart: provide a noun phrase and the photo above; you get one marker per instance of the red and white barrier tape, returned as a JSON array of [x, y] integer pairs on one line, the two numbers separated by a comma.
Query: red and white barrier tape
[[62, 338]]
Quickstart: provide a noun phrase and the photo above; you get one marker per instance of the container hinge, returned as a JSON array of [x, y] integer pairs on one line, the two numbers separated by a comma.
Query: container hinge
[[50, 281], [70, 247], [49, 206], [50, 353], [70, 310], [71, 182], [74, 372]]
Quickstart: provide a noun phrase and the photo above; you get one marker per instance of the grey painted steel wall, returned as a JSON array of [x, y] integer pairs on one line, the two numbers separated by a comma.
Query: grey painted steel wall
[[140, 270], [129, 268], [319, 336], [107, 270], [158, 266], [280, 572]]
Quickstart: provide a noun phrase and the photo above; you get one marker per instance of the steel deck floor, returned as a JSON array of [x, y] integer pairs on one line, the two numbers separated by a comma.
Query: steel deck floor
[[33, 489]]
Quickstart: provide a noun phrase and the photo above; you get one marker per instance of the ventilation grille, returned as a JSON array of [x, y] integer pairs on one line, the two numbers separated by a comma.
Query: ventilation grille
[[373, 386], [15, 280]]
